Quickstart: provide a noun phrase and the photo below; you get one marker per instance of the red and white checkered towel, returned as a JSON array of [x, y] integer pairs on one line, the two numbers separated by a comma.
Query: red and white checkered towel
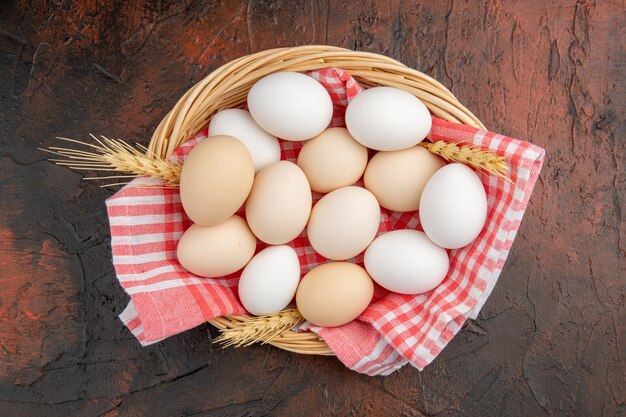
[[146, 223]]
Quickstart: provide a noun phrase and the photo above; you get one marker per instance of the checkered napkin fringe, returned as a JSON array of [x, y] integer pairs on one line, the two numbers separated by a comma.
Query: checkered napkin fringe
[[146, 223]]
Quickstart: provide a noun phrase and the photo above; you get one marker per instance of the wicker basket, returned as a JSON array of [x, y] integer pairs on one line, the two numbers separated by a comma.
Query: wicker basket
[[227, 87]]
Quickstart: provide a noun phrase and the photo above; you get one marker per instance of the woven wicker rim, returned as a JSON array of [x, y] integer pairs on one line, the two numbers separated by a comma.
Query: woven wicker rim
[[227, 87]]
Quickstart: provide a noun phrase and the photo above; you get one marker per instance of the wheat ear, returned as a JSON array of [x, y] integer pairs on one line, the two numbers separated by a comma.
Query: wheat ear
[[472, 156], [117, 156], [261, 329]]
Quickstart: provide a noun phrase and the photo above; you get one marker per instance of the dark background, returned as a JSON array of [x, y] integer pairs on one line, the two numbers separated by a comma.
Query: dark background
[[551, 340]]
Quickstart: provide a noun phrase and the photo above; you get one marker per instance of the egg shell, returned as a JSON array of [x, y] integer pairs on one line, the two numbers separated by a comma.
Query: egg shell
[[333, 159], [334, 294], [344, 222], [269, 281], [397, 178], [387, 119], [290, 105], [279, 204], [406, 262], [453, 208], [215, 251], [215, 180], [238, 123]]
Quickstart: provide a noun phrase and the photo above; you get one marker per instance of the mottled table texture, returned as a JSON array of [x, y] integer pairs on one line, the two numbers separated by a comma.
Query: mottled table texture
[[551, 340]]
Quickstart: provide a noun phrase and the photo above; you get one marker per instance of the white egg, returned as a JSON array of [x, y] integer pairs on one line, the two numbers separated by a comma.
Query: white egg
[[406, 262], [453, 207], [269, 282], [238, 123], [387, 119], [290, 105]]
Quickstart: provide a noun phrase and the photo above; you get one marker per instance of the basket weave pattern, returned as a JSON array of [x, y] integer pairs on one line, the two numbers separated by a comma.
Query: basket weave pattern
[[228, 86]]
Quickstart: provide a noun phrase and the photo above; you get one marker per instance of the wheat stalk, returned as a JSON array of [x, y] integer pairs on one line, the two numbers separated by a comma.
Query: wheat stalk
[[470, 155], [117, 156], [262, 329]]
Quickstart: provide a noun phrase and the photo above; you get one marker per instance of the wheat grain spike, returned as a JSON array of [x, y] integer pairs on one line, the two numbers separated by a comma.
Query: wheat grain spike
[[472, 156], [261, 329], [115, 155]]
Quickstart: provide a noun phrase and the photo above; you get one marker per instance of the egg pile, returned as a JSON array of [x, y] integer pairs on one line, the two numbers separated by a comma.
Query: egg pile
[[239, 166]]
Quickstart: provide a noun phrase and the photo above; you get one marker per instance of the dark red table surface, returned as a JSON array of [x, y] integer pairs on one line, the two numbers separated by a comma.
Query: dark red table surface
[[551, 340]]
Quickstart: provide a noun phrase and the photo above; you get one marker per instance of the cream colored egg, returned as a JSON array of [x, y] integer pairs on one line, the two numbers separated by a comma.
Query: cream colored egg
[[279, 204], [397, 178], [332, 160], [344, 222], [218, 250], [334, 294], [215, 180]]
